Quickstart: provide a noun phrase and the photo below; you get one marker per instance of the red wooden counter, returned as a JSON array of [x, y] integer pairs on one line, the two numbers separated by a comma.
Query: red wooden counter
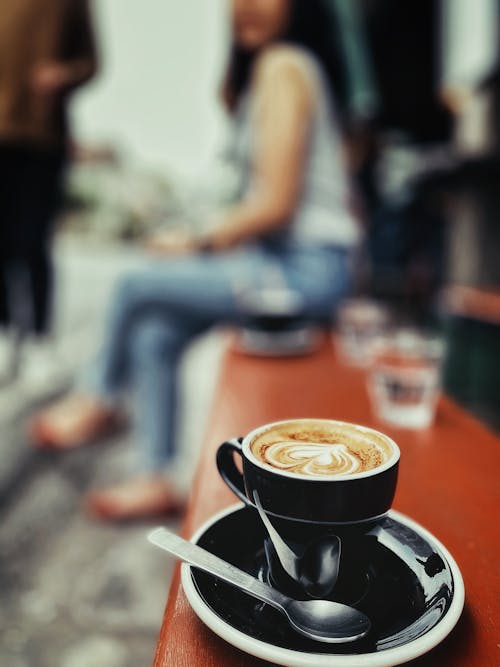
[[449, 482]]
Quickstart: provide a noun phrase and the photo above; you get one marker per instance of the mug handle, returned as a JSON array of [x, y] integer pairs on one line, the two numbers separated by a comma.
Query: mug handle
[[227, 467]]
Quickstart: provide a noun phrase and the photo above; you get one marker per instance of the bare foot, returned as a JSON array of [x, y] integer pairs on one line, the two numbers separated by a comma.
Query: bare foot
[[72, 421], [138, 498]]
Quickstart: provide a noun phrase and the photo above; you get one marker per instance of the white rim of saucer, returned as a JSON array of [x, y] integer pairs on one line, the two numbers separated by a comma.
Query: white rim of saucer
[[290, 658]]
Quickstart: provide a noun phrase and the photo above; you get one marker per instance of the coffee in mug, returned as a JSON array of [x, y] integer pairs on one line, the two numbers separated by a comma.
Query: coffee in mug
[[314, 470], [315, 448]]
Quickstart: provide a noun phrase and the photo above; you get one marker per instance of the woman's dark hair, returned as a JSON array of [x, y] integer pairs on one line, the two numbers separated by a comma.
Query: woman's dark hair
[[312, 25]]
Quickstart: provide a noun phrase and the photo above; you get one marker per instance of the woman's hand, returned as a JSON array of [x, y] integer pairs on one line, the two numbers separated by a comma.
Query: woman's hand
[[455, 98], [171, 242], [49, 78]]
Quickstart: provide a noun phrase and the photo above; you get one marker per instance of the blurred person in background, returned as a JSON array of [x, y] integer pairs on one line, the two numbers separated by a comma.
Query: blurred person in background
[[411, 134], [46, 52], [283, 90]]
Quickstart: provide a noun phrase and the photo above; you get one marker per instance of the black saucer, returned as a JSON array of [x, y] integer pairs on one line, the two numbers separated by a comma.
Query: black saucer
[[398, 574]]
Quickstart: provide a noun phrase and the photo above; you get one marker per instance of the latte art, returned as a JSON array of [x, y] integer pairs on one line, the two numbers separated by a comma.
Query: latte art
[[318, 449], [309, 458]]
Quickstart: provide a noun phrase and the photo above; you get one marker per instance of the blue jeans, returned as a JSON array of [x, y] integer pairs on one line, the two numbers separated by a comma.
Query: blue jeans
[[157, 311]]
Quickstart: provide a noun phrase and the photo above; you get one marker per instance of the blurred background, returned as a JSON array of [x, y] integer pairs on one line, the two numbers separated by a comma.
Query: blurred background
[[146, 152]]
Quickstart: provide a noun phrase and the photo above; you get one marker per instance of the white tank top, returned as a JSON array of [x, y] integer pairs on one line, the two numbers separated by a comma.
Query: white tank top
[[322, 215]]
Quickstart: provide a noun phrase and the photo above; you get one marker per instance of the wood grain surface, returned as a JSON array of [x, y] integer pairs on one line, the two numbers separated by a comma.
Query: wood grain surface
[[449, 482]]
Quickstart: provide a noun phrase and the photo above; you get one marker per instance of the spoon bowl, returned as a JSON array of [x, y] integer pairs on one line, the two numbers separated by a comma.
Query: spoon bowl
[[319, 566], [327, 621], [315, 568]]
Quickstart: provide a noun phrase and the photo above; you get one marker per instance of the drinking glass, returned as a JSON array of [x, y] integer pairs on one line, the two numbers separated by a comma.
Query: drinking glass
[[404, 379]]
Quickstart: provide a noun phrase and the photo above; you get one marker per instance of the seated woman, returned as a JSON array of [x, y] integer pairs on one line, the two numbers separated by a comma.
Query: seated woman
[[292, 220]]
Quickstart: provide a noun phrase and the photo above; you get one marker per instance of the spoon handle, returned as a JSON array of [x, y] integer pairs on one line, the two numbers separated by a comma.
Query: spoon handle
[[287, 557], [203, 559]]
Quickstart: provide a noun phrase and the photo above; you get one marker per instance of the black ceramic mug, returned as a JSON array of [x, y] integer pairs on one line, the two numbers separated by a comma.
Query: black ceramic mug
[[307, 511]]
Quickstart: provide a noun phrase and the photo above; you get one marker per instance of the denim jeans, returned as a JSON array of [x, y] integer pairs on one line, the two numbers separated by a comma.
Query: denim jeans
[[158, 310]]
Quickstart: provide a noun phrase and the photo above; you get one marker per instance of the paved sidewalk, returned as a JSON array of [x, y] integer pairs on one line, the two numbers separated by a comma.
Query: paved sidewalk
[[76, 593]]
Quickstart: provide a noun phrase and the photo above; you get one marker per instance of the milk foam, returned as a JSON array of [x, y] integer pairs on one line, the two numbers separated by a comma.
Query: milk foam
[[313, 449], [311, 458]]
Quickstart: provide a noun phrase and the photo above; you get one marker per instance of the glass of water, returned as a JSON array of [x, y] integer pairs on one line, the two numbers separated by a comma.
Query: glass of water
[[404, 379], [361, 323]]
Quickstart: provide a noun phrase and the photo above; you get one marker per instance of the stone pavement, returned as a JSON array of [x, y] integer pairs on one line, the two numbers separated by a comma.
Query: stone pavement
[[77, 593]]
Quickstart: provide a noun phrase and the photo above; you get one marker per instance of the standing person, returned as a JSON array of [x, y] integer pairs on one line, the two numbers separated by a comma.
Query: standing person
[[413, 132], [46, 52], [291, 220]]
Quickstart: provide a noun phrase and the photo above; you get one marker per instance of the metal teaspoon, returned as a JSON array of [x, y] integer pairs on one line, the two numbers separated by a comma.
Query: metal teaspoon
[[321, 620]]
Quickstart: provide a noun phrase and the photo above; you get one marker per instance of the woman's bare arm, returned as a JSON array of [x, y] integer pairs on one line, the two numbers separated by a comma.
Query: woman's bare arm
[[283, 105]]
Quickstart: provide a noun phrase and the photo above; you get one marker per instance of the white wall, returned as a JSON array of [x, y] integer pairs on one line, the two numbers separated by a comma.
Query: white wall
[[470, 39], [156, 93]]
